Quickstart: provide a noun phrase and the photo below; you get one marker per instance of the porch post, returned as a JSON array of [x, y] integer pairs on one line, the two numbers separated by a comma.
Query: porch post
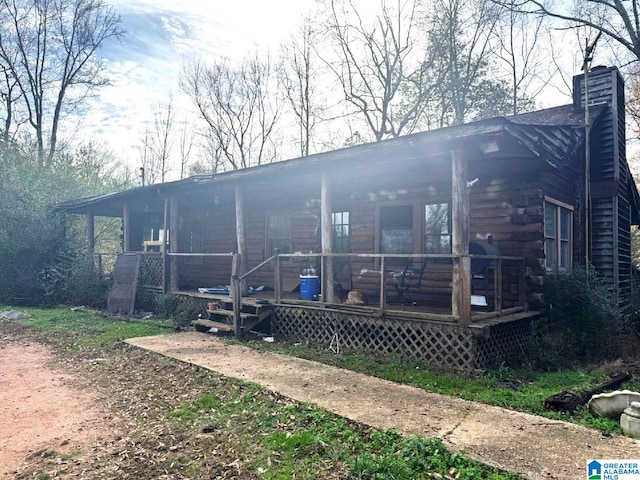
[[461, 291], [91, 234], [327, 236], [163, 248], [174, 278], [240, 236], [126, 228]]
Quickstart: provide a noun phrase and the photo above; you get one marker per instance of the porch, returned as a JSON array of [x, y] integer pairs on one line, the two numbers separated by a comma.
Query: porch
[[418, 320], [405, 285]]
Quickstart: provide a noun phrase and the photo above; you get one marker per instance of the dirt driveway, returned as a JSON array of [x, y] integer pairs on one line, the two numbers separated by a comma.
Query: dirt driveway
[[532, 445], [39, 410]]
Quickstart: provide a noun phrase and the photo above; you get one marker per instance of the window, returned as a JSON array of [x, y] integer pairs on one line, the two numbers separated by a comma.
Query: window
[[341, 232], [396, 229], [558, 221], [437, 228], [278, 234], [417, 228], [341, 244]]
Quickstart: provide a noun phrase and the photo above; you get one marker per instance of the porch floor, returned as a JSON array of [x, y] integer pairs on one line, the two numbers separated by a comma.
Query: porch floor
[[415, 312]]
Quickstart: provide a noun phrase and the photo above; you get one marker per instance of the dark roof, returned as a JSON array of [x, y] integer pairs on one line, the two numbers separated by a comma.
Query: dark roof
[[562, 115], [551, 135]]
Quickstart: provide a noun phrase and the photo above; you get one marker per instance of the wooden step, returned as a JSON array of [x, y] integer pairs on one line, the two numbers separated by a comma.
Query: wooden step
[[253, 308], [229, 314], [203, 325]]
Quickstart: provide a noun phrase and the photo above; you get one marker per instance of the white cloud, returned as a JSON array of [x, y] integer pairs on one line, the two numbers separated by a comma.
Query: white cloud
[[162, 36]]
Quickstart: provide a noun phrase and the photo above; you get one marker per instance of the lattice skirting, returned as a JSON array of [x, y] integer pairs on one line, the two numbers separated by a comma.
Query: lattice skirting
[[437, 344], [147, 301], [505, 342], [150, 271]]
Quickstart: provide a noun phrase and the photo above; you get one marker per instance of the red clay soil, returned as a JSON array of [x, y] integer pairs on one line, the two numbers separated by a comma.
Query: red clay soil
[[40, 411]]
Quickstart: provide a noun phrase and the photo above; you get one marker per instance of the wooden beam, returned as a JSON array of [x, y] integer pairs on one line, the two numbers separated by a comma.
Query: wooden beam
[[497, 286], [383, 283], [240, 235], [126, 228], [236, 294], [277, 280], [91, 234], [163, 249], [461, 284], [174, 273], [327, 236]]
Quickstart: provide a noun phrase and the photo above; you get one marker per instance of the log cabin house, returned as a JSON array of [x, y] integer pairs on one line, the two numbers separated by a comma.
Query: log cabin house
[[448, 233]]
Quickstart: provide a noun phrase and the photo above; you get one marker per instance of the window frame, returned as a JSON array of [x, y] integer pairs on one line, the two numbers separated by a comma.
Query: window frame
[[268, 238], [558, 238], [419, 221], [448, 234], [340, 214]]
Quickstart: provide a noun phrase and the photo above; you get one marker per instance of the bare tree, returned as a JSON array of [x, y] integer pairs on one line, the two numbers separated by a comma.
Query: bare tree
[[49, 48], [298, 77], [161, 136], [9, 98], [211, 158], [617, 19], [185, 144], [384, 73], [148, 168], [461, 33], [517, 39], [238, 106]]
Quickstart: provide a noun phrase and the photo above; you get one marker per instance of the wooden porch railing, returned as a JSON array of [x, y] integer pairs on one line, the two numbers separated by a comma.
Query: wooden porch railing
[[237, 280]]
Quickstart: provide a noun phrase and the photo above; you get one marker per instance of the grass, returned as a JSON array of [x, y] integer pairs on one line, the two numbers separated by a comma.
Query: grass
[[523, 390], [82, 328], [301, 441], [192, 420]]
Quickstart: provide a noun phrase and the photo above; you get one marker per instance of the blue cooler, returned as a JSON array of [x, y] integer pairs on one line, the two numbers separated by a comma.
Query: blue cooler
[[309, 287]]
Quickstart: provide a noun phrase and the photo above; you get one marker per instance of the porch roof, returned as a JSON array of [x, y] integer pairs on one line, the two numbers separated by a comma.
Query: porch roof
[[544, 138]]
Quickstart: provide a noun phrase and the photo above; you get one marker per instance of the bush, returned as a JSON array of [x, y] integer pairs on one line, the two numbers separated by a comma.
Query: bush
[[582, 317], [167, 305], [177, 309], [633, 305], [73, 279]]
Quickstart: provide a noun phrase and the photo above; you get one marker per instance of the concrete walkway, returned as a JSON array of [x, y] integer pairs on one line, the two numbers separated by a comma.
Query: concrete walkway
[[533, 446]]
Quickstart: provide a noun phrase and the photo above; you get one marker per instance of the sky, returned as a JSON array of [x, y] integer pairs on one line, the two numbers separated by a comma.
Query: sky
[[160, 37]]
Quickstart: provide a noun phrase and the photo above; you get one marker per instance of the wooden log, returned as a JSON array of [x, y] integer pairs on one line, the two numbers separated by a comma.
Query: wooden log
[[461, 293], [126, 228], [174, 279], [327, 237], [240, 234], [236, 292], [497, 286], [163, 249], [383, 292], [569, 401], [278, 280]]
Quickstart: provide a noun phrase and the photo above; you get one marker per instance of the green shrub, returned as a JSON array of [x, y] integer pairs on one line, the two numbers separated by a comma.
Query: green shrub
[[178, 309], [74, 279], [582, 317], [186, 313], [166, 305], [633, 305]]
